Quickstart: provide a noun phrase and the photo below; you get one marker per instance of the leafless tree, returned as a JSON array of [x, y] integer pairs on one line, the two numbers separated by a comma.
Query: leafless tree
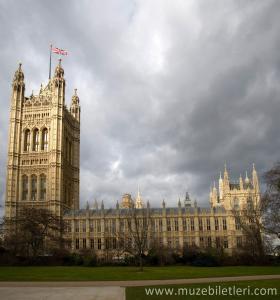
[[33, 231], [135, 239], [249, 219], [271, 199]]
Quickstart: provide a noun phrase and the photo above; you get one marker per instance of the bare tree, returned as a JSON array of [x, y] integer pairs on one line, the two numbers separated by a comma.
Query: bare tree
[[135, 238], [33, 231], [271, 199], [249, 218]]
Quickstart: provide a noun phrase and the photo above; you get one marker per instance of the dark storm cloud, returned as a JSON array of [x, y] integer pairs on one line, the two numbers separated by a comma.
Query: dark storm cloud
[[170, 90]]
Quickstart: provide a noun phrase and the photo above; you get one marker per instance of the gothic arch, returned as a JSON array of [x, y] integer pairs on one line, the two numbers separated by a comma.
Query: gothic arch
[[26, 140], [43, 187], [44, 139], [35, 139], [34, 187], [24, 189]]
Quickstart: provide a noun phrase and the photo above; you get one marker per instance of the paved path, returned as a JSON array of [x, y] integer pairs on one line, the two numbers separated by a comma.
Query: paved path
[[64, 293], [131, 282], [96, 290]]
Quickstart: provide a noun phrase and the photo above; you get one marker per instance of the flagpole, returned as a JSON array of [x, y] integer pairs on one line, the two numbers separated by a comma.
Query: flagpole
[[50, 67]]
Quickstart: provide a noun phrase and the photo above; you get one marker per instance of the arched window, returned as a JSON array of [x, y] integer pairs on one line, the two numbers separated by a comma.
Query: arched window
[[43, 187], [26, 140], [44, 144], [24, 187], [235, 203], [33, 187], [250, 205], [35, 139]]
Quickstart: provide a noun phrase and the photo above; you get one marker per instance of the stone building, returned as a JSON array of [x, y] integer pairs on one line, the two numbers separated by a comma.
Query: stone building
[[43, 148], [43, 171]]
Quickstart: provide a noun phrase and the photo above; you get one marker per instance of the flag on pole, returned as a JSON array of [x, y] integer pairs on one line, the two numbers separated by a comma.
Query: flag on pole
[[59, 51]]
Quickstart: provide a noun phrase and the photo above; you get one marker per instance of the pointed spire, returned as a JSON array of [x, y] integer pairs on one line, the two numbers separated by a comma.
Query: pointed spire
[[240, 182], [95, 204], [163, 203], [139, 202], [179, 203], [75, 106], [87, 206], [75, 98], [255, 178], [225, 172], [226, 178], [214, 186], [59, 72], [247, 180], [102, 205], [221, 186], [117, 205], [18, 77]]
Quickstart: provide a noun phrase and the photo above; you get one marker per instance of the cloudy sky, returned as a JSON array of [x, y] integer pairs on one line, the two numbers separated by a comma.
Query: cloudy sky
[[170, 90]]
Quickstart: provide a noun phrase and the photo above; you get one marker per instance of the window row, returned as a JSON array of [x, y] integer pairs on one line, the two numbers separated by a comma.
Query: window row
[[35, 140], [33, 187], [156, 225], [114, 243]]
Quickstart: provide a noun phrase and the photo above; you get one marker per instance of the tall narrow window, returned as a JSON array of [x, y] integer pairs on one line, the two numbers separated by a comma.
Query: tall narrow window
[[33, 187], [224, 224], [24, 187], [43, 187], [216, 224], [44, 144], [35, 139], [192, 224], [26, 142]]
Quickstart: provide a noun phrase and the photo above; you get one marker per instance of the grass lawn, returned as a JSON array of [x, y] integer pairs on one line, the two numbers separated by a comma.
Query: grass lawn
[[126, 273], [138, 293]]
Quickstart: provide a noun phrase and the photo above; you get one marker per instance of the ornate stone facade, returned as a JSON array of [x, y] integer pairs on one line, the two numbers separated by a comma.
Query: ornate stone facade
[[43, 171], [44, 147]]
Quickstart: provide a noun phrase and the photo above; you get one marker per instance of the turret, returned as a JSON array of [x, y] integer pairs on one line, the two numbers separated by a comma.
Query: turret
[[247, 180], [240, 182], [59, 83], [188, 202], [226, 179], [75, 108], [14, 145], [179, 203], [95, 205], [18, 81], [221, 187], [138, 201], [214, 193], [255, 179]]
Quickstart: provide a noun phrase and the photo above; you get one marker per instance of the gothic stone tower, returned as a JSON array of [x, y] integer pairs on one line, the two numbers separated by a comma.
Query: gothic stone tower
[[235, 195], [44, 147]]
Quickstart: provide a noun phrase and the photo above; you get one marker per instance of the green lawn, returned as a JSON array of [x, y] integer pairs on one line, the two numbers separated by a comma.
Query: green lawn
[[126, 273], [139, 293]]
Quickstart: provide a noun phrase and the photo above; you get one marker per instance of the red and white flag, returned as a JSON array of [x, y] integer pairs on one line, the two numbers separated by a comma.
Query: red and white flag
[[59, 51]]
